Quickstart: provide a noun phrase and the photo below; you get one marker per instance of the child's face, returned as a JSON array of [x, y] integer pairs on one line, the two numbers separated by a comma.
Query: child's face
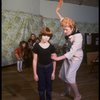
[[45, 38], [30, 43], [23, 45], [32, 37]]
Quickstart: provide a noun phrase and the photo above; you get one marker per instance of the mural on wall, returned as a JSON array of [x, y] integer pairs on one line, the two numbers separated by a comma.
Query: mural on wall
[[17, 26]]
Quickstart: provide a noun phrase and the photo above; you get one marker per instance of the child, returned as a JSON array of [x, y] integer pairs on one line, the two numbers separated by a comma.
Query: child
[[32, 40], [19, 53], [43, 66]]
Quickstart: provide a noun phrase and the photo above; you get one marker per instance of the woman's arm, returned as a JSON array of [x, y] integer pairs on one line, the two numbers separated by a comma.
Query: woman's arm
[[58, 58], [58, 9], [77, 44]]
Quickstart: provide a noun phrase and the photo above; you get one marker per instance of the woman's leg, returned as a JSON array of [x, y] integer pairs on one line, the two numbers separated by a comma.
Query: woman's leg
[[67, 90], [71, 77], [77, 95]]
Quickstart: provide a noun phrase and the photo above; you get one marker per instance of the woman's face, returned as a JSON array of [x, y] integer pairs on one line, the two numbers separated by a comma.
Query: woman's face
[[67, 30], [45, 38]]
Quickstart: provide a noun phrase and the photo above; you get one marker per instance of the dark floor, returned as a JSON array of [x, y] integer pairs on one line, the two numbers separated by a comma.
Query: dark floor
[[21, 86]]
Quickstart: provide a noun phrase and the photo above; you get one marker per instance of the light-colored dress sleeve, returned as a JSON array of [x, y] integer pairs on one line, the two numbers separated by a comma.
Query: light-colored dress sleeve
[[76, 46]]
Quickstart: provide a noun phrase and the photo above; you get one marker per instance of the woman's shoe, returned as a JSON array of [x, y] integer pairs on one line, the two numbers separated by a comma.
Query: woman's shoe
[[65, 93], [78, 97]]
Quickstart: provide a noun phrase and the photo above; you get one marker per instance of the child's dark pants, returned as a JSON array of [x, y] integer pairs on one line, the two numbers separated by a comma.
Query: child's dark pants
[[45, 82]]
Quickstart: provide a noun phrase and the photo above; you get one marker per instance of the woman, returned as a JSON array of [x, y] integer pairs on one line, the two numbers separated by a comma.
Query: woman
[[43, 66], [73, 56]]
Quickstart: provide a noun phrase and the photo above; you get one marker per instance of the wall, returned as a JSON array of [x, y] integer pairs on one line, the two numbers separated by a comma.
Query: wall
[[22, 17], [29, 6], [47, 9], [77, 12], [17, 26]]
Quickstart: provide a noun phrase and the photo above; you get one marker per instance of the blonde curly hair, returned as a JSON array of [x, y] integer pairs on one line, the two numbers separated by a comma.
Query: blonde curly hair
[[66, 21]]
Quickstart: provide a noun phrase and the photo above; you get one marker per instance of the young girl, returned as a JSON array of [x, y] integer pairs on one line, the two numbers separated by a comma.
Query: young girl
[[43, 66], [19, 53], [32, 40]]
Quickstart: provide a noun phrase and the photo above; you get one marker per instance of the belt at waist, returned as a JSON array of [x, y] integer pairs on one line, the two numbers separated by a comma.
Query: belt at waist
[[45, 66]]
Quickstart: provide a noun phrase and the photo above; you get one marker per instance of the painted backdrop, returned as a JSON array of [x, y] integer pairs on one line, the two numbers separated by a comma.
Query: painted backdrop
[[17, 26]]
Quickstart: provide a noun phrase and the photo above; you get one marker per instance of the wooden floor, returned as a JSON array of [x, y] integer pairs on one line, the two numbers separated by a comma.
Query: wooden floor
[[21, 86]]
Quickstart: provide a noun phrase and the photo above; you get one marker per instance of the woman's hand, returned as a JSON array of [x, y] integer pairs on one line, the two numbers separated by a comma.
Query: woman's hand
[[59, 5], [58, 58], [54, 57]]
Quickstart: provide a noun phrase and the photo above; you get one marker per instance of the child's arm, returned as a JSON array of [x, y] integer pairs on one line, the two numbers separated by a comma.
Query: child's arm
[[35, 66], [16, 54], [54, 68]]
